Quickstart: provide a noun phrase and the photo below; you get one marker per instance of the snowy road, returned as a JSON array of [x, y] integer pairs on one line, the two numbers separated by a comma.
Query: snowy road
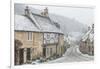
[[73, 55]]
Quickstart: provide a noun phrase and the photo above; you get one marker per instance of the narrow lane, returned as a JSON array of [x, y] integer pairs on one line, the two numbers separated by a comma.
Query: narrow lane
[[72, 55]]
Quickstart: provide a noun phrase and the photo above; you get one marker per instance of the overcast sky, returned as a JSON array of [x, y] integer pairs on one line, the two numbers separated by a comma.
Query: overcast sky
[[83, 15]]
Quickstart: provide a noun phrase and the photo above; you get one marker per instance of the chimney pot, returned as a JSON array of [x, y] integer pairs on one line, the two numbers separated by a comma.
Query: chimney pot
[[27, 11], [46, 11]]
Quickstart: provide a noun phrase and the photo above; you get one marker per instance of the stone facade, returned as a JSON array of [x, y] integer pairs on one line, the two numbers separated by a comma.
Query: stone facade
[[33, 49], [87, 47], [87, 43], [38, 37]]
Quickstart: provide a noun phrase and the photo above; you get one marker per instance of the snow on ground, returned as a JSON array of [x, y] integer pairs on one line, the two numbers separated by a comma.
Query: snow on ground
[[85, 55], [72, 55]]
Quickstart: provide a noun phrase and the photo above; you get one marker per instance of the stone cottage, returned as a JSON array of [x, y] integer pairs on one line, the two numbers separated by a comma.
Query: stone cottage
[[36, 35], [87, 42]]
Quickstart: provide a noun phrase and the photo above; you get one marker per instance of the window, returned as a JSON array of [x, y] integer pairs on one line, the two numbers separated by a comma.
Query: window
[[44, 52], [47, 41], [89, 48], [28, 54], [50, 51], [52, 40], [47, 50], [30, 36], [48, 36]]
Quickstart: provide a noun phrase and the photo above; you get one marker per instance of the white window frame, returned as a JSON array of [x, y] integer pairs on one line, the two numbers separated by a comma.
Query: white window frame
[[30, 36], [52, 36]]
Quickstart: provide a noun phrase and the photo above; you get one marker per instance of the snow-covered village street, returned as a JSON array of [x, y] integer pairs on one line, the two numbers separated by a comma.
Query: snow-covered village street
[[73, 55], [44, 37]]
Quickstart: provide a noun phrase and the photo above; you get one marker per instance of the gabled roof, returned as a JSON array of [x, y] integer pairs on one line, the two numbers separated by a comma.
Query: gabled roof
[[46, 24], [35, 22], [89, 35]]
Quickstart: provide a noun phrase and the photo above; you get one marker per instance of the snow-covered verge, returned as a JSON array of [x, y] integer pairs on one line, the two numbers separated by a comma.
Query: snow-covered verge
[[72, 55], [85, 55]]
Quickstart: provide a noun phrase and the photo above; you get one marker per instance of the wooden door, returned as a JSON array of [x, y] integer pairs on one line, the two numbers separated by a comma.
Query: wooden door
[[21, 56], [44, 52]]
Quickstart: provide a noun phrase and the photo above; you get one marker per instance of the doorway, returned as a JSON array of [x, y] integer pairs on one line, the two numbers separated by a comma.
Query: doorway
[[21, 56], [44, 52], [28, 54]]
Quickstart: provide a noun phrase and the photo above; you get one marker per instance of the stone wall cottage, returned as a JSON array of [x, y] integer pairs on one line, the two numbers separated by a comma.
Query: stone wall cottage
[[87, 42], [36, 35]]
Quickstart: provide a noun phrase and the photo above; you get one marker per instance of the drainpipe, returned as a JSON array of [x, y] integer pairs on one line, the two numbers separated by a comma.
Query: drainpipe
[[56, 50]]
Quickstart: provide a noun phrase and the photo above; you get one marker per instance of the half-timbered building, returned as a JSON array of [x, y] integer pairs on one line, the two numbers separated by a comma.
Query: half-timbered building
[[36, 36]]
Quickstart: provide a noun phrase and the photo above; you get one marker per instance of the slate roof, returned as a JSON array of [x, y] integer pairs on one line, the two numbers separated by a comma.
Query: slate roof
[[46, 24], [37, 23], [22, 23], [88, 35]]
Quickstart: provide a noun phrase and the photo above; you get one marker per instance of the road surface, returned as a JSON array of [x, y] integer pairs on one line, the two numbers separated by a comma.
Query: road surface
[[73, 55]]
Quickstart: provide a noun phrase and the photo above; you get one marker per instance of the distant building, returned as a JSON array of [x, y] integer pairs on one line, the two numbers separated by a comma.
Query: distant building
[[87, 42], [36, 36]]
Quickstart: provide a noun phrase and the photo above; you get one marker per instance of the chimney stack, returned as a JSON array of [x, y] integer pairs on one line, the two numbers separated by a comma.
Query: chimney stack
[[92, 26], [27, 11], [89, 28], [45, 12]]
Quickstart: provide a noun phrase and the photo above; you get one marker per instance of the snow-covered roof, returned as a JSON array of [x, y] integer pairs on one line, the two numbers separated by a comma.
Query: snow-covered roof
[[88, 35], [22, 23], [46, 24], [35, 22]]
